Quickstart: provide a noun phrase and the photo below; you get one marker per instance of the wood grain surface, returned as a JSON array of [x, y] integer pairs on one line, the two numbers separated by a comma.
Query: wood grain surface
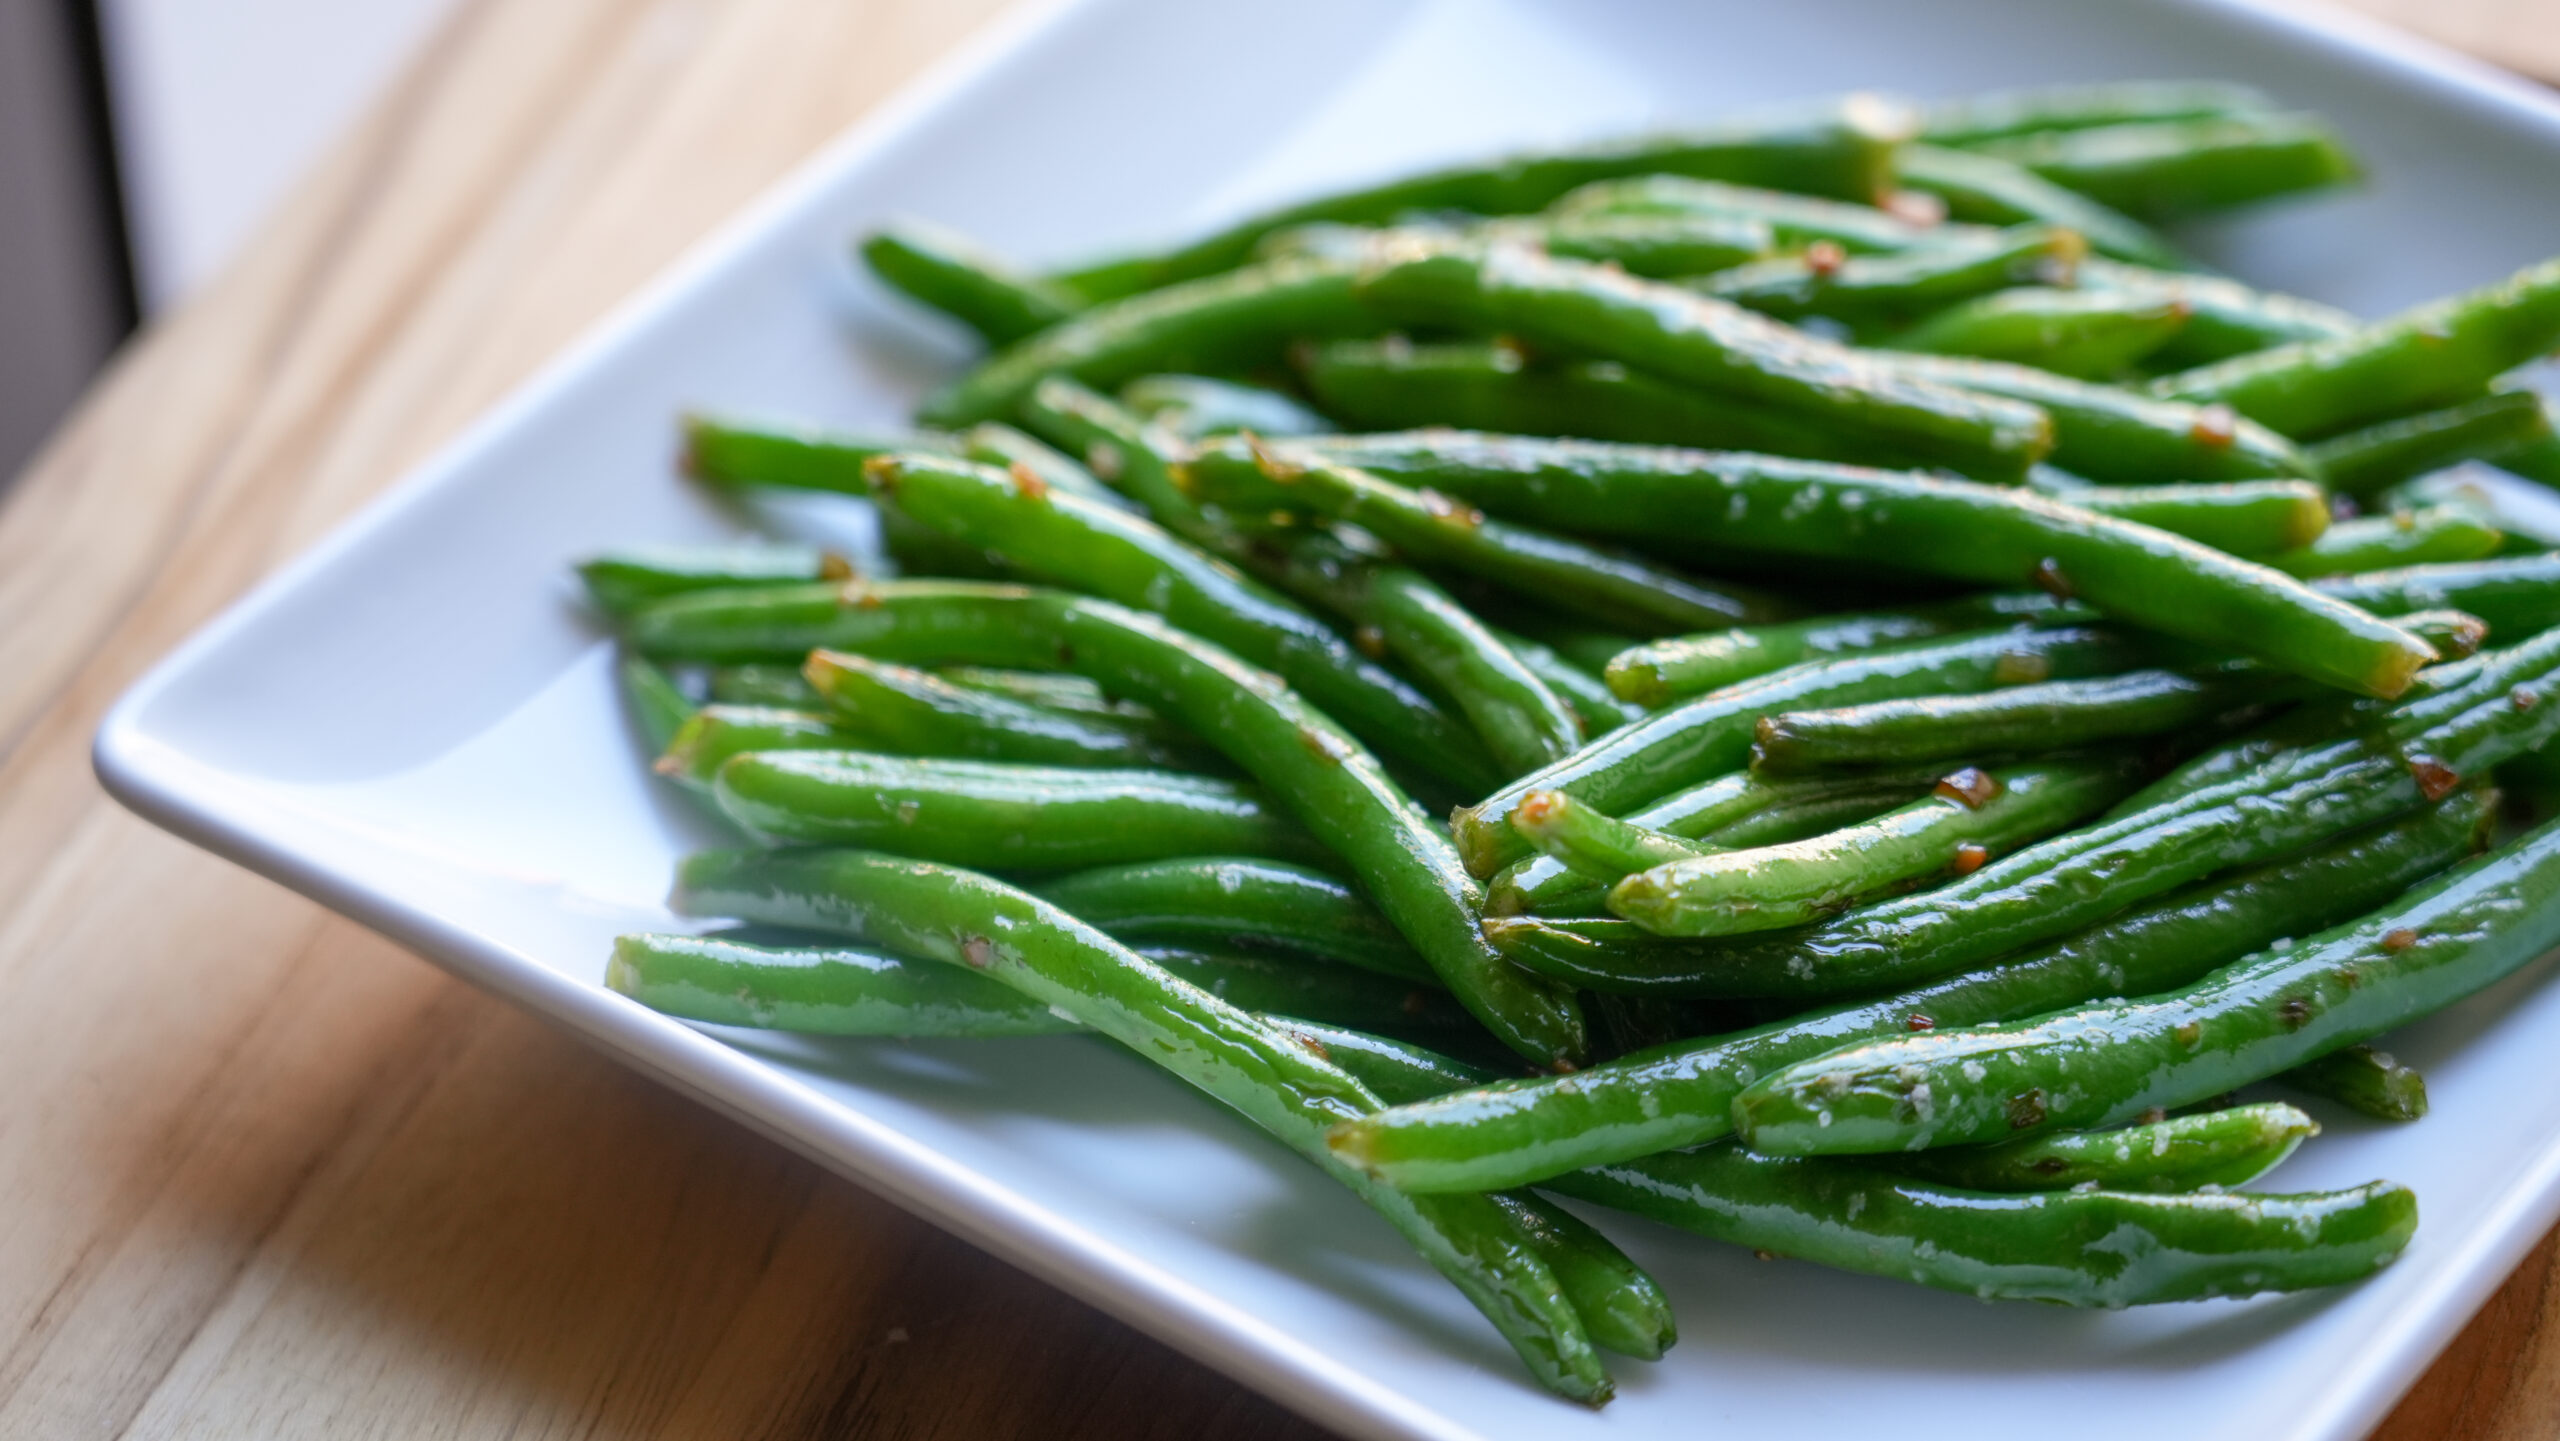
[[263, 1174]]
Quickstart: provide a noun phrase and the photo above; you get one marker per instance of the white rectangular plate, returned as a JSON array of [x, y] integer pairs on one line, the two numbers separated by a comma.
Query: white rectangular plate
[[482, 800]]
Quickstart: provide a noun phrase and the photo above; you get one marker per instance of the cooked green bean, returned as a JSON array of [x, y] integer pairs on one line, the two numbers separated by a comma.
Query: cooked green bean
[[2213, 1149], [705, 742], [2434, 535], [1583, 690], [1289, 985], [1843, 148], [732, 452], [657, 707], [2244, 1022], [2364, 1080], [1881, 288], [2001, 114], [910, 712], [2086, 334], [1971, 817], [2244, 517], [958, 918], [1034, 463], [1227, 901], [2518, 596], [1659, 672], [2056, 715], [1399, 1071], [1698, 340], [963, 280], [1514, 1132], [1986, 189], [1046, 688], [622, 581], [1663, 246], [819, 990], [2364, 462], [779, 686], [1192, 406], [2110, 434], [2524, 514], [2437, 354], [2163, 169], [1337, 789], [2224, 317], [1592, 845], [2079, 1248], [1795, 221]]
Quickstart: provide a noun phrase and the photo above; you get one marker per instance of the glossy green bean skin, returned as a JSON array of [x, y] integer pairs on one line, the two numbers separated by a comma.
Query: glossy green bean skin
[[1135, 562], [1767, 887], [1223, 902], [1232, 321], [994, 815], [2224, 317], [729, 450], [1400, 1072], [1984, 534], [2055, 715], [1674, 333], [2249, 1020], [826, 991], [2365, 462], [1193, 406], [2121, 436], [1583, 690], [657, 707], [1842, 148], [963, 280], [962, 919], [1613, 588], [779, 686], [1659, 672], [1286, 985], [1986, 189], [2243, 517], [622, 581], [2518, 596], [2438, 354], [1795, 221], [1515, 1132], [1044, 688], [1593, 845], [2365, 1081], [2080, 1248], [1706, 737], [1623, 1308], [2434, 535], [2165, 169], [1339, 791], [1878, 288], [2001, 114], [906, 711], [1662, 246], [713, 734], [2489, 496], [2182, 1153], [1034, 462], [2085, 334]]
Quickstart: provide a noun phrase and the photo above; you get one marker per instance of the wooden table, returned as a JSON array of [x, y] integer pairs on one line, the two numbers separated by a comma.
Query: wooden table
[[263, 1173]]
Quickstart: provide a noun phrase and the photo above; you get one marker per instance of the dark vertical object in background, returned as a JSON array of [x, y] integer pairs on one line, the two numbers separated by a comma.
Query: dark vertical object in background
[[66, 276]]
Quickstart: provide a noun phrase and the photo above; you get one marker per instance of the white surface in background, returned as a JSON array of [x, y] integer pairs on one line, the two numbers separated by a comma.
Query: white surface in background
[[220, 108]]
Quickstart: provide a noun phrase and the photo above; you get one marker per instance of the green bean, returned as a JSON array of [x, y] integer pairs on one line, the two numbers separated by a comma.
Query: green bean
[[1520, 720], [1878, 288], [1795, 221], [2214, 1149], [1398, 1071], [2244, 1022], [1127, 559], [1659, 672], [1311, 989], [910, 712], [826, 991], [1057, 692], [656, 705], [1988, 190], [1624, 1310], [1611, 587], [1034, 463], [2434, 535], [1515, 1132], [2224, 317], [730, 452], [2522, 513], [2109, 434], [1983, 534], [963, 280], [2079, 1248], [2364, 462], [1490, 386], [2243, 517], [2002, 114], [708, 739], [2438, 354], [989, 814], [2056, 715], [1336, 788], [1695, 339], [2086, 334], [623, 581], [1220, 902], [1842, 148], [960, 919], [1708, 736], [779, 686], [1971, 817], [1584, 691], [2364, 1080], [1594, 846], [2517, 596], [1192, 406], [2164, 169], [1660, 246]]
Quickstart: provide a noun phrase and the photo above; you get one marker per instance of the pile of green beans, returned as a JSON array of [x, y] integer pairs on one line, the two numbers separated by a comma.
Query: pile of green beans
[[1928, 691]]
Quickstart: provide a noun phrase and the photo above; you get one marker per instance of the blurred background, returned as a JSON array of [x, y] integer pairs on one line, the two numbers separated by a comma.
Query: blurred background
[[142, 142]]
